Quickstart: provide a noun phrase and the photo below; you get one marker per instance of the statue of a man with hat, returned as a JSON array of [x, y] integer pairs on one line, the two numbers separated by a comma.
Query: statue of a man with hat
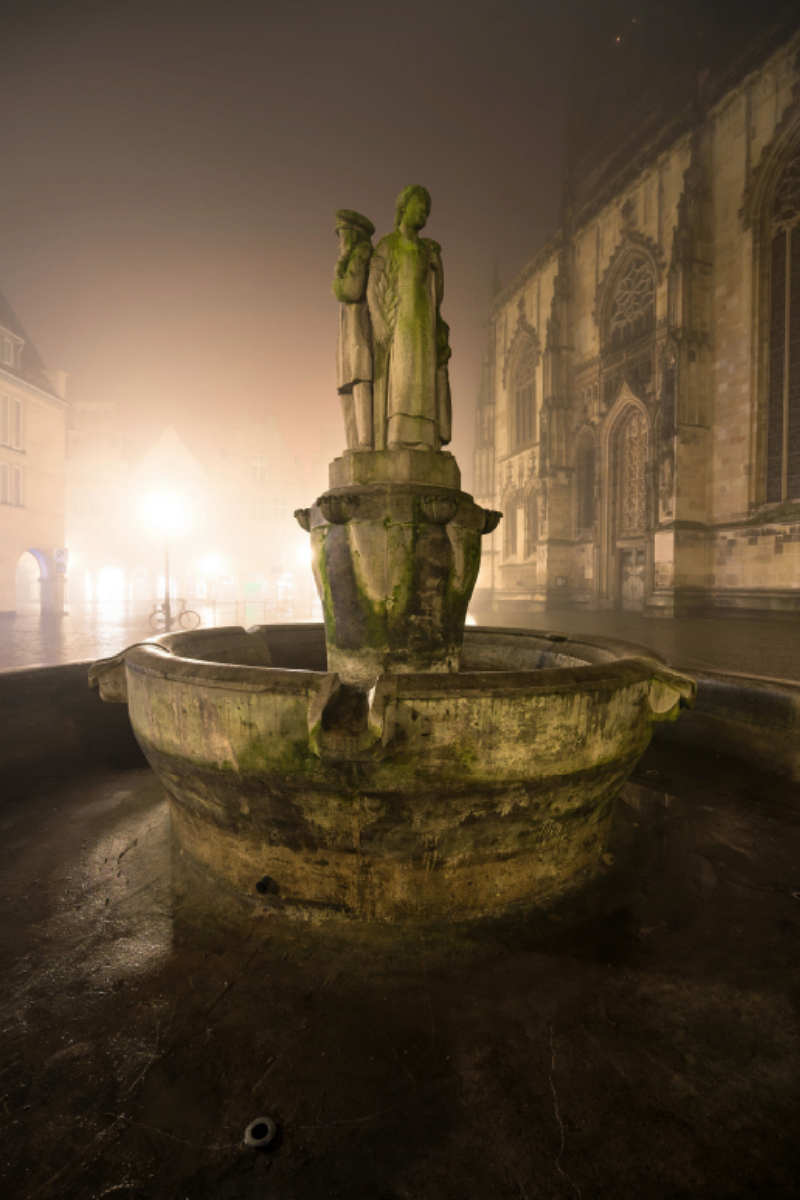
[[354, 355]]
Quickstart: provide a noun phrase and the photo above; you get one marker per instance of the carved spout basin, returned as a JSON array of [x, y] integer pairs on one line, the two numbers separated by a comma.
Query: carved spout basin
[[431, 797]]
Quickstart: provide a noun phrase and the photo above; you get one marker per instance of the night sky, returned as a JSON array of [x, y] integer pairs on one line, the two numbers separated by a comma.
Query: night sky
[[171, 172]]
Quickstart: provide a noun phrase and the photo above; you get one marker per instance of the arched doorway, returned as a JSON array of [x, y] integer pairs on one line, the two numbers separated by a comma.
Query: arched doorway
[[28, 582]]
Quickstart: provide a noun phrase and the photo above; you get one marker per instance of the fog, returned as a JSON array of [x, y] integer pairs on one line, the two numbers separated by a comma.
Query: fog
[[167, 237], [167, 228]]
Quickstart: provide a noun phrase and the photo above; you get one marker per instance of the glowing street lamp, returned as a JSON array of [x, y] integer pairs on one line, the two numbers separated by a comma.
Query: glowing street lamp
[[166, 512]]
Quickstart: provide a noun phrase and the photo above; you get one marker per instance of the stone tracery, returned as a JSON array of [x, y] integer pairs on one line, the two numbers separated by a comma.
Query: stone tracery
[[633, 305]]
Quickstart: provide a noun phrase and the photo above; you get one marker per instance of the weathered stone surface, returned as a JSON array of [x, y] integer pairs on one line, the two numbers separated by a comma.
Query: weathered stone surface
[[395, 466], [412, 349], [433, 796], [395, 567]]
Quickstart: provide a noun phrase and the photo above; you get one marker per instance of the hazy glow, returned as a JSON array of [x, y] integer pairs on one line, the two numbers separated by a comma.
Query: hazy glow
[[303, 553], [165, 512], [110, 585], [211, 564]]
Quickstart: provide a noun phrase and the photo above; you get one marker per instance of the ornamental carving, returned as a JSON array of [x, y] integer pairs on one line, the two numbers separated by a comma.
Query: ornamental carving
[[634, 248], [632, 462], [524, 346], [633, 306]]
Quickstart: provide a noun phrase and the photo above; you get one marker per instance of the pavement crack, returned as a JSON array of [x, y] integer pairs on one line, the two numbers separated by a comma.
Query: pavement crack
[[560, 1123], [122, 853]]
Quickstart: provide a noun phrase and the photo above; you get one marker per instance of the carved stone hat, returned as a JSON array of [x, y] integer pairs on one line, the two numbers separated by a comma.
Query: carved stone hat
[[347, 219]]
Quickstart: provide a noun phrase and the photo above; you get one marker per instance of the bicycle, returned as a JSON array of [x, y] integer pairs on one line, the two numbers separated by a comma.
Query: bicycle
[[187, 618]]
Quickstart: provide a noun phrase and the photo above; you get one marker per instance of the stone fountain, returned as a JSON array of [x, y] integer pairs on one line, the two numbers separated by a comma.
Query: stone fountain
[[392, 766]]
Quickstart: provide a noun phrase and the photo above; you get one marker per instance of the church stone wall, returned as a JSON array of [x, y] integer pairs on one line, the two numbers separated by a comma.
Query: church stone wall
[[682, 235]]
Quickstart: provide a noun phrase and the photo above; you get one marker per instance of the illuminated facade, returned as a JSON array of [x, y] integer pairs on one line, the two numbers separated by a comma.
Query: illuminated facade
[[638, 420], [32, 449]]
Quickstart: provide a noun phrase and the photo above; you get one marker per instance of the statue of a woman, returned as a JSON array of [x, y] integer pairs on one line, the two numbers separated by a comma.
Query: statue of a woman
[[406, 285]]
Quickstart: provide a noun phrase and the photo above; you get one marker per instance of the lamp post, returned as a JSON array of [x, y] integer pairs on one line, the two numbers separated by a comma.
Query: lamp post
[[166, 512], [167, 611]]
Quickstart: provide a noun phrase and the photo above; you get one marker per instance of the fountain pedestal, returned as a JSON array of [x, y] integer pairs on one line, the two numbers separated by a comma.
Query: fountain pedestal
[[396, 551]]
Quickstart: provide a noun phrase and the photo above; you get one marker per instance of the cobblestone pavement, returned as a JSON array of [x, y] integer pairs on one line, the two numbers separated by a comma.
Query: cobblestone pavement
[[754, 647]]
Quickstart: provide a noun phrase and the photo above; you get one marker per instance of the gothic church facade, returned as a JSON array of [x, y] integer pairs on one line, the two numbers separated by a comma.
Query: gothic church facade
[[638, 421]]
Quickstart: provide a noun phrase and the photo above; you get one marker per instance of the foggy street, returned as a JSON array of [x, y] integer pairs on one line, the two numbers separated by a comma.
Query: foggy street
[[751, 647]]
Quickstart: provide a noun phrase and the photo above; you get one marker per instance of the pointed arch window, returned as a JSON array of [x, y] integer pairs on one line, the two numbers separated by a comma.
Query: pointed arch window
[[531, 524], [586, 465], [633, 307], [783, 405], [524, 395]]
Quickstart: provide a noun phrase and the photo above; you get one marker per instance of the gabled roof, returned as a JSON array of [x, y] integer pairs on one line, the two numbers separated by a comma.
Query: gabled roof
[[31, 368]]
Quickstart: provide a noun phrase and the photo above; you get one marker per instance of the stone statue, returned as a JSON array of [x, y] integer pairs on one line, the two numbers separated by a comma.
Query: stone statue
[[354, 364], [406, 284]]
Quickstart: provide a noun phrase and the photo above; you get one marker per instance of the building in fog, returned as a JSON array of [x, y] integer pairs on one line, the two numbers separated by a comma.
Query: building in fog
[[638, 421], [32, 455], [238, 489]]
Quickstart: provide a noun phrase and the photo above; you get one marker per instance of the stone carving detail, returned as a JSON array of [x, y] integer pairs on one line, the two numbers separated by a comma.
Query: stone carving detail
[[303, 518], [491, 520], [439, 510], [786, 205], [632, 461], [633, 306], [338, 509]]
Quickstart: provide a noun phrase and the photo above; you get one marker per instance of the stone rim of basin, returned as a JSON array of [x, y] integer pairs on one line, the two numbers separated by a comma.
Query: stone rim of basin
[[615, 662]]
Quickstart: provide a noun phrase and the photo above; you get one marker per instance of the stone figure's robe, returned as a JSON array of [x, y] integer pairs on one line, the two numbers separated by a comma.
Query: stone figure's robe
[[411, 392], [354, 348]]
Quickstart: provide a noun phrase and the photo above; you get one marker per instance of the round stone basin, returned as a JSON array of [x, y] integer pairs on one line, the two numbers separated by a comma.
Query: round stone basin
[[430, 797]]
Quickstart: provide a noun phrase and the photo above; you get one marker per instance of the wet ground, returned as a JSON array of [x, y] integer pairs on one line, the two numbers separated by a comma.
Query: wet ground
[[640, 1039], [752, 646], [755, 647]]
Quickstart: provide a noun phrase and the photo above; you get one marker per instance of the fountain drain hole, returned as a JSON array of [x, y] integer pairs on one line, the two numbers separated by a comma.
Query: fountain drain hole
[[260, 1133]]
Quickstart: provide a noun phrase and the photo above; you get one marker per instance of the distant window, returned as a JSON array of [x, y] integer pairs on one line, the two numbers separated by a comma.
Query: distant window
[[8, 352], [633, 308], [17, 496], [259, 509], [531, 524], [5, 483], [510, 529], [586, 461], [783, 406], [524, 395], [258, 469], [16, 430], [5, 420], [280, 508]]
